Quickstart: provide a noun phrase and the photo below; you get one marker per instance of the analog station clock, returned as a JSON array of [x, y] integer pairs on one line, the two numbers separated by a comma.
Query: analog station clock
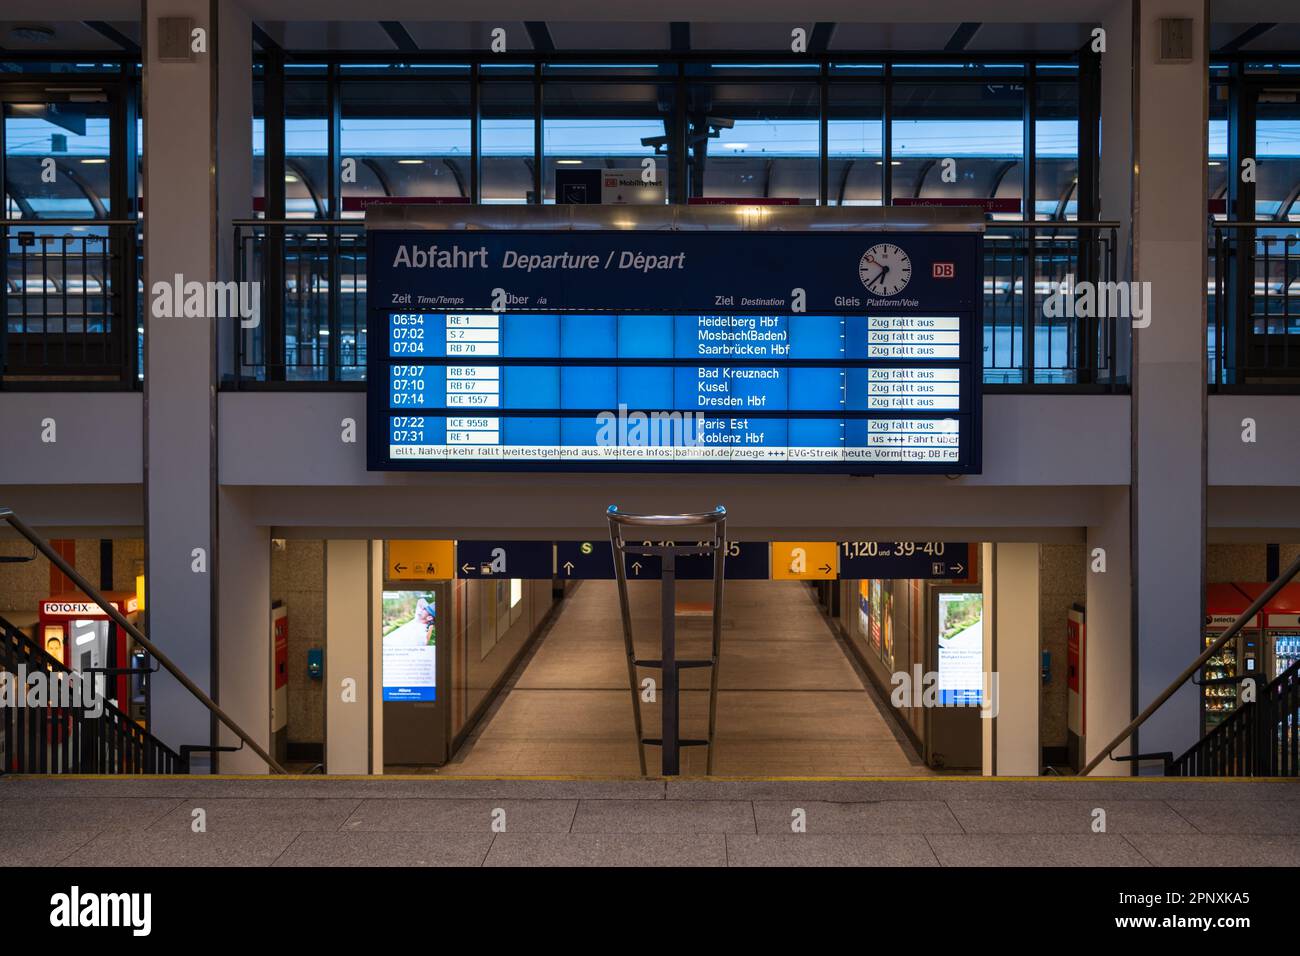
[[885, 269]]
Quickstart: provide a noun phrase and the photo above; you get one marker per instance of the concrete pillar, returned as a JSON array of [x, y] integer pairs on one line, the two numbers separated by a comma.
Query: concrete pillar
[[244, 629], [377, 657], [347, 657], [1011, 641], [1169, 394], [1108, 645], [189, 107]]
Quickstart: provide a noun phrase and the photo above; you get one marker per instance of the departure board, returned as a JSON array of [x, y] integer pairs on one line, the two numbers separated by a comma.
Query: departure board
[[674, 351]]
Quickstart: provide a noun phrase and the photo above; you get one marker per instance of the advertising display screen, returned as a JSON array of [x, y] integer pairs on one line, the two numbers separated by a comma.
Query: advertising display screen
[[844, 351], [410, 633], [961, 649]]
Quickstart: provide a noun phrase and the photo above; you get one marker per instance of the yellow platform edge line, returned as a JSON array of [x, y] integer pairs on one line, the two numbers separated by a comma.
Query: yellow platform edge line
[[562, 778]]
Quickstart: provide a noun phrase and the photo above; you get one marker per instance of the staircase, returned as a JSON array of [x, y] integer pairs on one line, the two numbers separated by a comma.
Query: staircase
[[62, 739], [1259, 739], [47, 737]]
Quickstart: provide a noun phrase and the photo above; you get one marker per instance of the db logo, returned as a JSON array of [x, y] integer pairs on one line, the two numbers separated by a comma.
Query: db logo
[[943, 270]]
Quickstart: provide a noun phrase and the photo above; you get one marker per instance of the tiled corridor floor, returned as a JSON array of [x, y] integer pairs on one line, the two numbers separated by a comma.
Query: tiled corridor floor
[[790, 702]]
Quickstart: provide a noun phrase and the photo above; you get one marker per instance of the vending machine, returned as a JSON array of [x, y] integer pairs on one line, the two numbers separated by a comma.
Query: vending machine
[[78, 632], [1281, 641], [1240, 657]]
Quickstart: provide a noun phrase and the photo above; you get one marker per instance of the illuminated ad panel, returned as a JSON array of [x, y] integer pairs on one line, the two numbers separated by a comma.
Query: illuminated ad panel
[[854, 352]]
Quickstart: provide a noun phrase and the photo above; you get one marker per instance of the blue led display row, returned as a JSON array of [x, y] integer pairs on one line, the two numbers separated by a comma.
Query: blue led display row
[[692, 388], [476, 336]]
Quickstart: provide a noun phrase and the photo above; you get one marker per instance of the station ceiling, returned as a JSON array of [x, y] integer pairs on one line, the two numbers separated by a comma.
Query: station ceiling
[[1234, 33]]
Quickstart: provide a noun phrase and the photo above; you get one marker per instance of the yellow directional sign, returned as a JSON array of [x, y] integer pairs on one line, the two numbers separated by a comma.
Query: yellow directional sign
[[804, 560], [421, 561]]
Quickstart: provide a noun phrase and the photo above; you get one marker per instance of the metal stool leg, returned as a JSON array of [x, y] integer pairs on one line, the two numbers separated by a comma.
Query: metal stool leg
[[719, 569], [670, 740], [620, 572]]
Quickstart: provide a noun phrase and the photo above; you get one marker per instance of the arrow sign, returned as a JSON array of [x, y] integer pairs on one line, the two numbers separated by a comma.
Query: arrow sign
[[410, 560], [928, 560], [594, 561], [506, 559]]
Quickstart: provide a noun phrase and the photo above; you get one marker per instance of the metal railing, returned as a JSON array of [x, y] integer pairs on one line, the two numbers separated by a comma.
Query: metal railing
[[1194, 667], [1254, 305], [1030, 267], [714, 547], [312, 284], [1261, 738], [46, 736], [85, 587], [71, 302], [311, 276]]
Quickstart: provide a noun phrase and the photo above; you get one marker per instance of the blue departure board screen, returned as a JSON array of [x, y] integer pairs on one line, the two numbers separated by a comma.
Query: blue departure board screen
[[628, 351]]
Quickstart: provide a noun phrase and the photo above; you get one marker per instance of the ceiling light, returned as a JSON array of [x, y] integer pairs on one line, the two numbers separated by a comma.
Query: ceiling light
[[569, 162], [410, 162]]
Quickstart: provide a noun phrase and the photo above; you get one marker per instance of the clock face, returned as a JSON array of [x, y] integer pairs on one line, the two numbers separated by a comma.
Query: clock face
[[885, 269]]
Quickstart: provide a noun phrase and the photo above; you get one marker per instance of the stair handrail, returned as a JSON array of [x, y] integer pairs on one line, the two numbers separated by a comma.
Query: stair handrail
[[7, 514], [14, 640], [1256, 606], [1246, 712]]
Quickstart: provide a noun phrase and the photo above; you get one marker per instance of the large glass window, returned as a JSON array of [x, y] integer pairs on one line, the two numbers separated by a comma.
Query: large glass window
[[901, 133], [606, 126], [403, 139], [57, 158], [1277, 135], [856, 145], [306, 148], [754, 140], [1056, 150], [1218, 151], [507, 130], [979, 127]]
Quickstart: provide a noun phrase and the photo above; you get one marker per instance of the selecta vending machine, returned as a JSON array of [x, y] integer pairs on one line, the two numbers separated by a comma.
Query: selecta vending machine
[[1239, 658], [1281, 640], [74, 629]]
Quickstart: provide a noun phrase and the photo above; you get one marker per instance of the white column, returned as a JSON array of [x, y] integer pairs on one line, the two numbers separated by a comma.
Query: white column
[[377, 657], [1169, 468], [1108, 644], [1011, 633], [186, 106], [347, 657], [244, 629]]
